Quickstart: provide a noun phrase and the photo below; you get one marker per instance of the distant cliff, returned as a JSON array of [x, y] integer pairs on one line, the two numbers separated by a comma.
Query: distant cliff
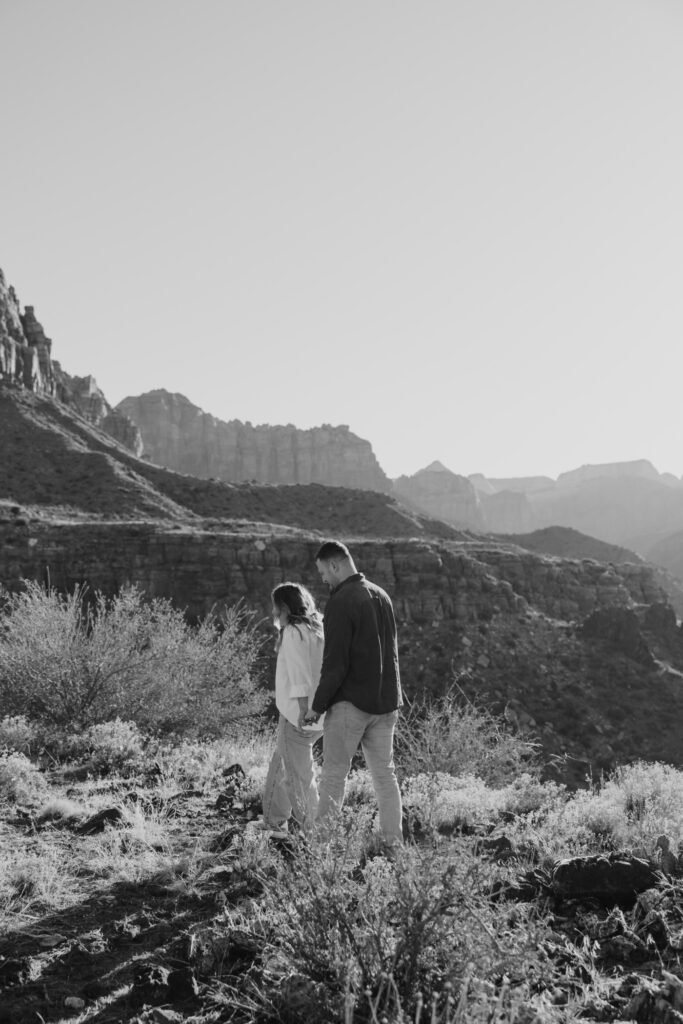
[[180, 436], [628, 504], [26, 362], [437, 492], [557, 643]]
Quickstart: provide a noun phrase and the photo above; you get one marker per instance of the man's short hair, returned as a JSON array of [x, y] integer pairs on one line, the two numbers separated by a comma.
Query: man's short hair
[[332, 550]]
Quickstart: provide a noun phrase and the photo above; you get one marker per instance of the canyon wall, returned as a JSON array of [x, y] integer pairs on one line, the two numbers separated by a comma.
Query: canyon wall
[[505, 625], [437, 492], [180, 436], [26, 362], [25, 351]]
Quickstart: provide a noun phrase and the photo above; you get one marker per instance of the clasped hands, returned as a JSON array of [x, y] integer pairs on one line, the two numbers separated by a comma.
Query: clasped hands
[[306, 716]]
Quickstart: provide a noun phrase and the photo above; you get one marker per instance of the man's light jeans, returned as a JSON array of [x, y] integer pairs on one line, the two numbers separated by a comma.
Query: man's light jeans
[[345, 727], [290, 784]]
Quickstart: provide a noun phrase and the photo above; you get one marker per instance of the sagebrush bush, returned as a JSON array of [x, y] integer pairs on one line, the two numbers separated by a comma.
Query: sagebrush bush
[[20, 779], [629, 809], [440, 800], [453, 736], [365, 944], [114, 746], [17, 733], [81, 658], [201, 764]]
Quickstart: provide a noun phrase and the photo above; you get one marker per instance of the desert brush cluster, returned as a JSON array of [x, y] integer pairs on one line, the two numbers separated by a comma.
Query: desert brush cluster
[[134, 886]]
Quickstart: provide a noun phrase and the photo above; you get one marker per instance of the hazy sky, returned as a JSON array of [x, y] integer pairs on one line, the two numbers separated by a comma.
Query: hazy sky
[[455, 226]]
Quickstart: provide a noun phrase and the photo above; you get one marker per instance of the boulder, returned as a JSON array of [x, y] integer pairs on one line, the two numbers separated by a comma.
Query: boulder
[[614, 879], [618, 628]]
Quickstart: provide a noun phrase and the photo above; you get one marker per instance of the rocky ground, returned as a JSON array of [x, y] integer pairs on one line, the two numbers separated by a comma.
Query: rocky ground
[[152, 898]]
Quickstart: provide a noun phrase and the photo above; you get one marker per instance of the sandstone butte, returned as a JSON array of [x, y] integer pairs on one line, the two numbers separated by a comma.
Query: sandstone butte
[[585, 653]]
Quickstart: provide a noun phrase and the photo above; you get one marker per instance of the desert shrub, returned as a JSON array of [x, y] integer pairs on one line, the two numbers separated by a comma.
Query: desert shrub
[[631, 808], [114, 746], [20, 780], [453, 736], [36, 879], [363, 944], [527, 793], [79, 659], [201, 764], [17, 733], [439, 800], [359, 788]]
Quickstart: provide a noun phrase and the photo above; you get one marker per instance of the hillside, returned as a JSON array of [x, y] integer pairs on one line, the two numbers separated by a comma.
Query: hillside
[[569, 543], [584, 654], [58, 462]]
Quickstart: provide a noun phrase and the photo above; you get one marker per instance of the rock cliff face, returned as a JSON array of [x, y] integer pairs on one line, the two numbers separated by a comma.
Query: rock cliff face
[[586, 654], [56, 460], [507, 512], [639, 468], [180, 436], [25, 352], [438, 492], [622, 503], [506, 624], [26, 362]]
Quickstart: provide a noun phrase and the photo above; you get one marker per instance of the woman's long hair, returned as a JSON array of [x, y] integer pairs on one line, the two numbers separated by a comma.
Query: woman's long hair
[[300, 604]]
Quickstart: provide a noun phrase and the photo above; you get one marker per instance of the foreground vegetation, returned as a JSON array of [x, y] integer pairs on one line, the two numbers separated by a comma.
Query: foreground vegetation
[[135, 887]]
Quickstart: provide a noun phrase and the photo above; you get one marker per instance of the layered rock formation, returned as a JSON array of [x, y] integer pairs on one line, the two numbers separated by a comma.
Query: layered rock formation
[[626, 503], [25, 351], [586, 654], [505, 624], [53, 458], [438, 492], [180, 436], [26, 362]]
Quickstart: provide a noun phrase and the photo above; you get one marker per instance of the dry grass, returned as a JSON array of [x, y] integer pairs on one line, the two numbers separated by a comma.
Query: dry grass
[[336, 932]]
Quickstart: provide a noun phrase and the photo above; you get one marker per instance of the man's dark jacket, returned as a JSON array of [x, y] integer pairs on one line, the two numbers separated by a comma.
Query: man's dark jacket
[[360, 659]]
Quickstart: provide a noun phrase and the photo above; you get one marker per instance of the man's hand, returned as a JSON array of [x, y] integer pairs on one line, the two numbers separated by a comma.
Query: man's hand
[[311, 717], [303, 709]]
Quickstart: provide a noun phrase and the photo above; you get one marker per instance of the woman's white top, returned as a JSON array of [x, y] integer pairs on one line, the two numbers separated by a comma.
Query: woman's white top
[[297, 672]]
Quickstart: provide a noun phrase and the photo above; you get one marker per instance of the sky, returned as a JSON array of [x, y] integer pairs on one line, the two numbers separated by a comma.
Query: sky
[[455, 226]]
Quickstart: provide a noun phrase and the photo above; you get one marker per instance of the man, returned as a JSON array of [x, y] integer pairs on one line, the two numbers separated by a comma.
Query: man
[[359, 688]]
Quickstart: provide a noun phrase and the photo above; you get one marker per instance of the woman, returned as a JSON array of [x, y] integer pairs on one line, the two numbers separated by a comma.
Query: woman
[[290, 784]]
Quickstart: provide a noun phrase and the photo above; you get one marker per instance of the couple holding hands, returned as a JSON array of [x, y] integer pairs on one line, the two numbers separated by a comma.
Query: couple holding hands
[[337, 677]]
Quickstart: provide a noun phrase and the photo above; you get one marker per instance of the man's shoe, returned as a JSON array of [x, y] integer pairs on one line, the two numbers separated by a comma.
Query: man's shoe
[[265, 826]]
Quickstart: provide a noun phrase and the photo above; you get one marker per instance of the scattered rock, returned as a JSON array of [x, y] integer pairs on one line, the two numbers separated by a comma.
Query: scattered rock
[[160, 1015], [668, 861], [182, 984], [619, 629], [150, 984], [13, 972], [498, 848], [300, 998], [74, 1003], [50, 941], [98, 822], [614, 879], [529, 886], [226, 839], [215, 951]]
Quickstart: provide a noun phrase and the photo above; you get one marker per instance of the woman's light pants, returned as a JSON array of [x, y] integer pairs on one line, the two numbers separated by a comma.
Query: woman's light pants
[[290, 784]]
